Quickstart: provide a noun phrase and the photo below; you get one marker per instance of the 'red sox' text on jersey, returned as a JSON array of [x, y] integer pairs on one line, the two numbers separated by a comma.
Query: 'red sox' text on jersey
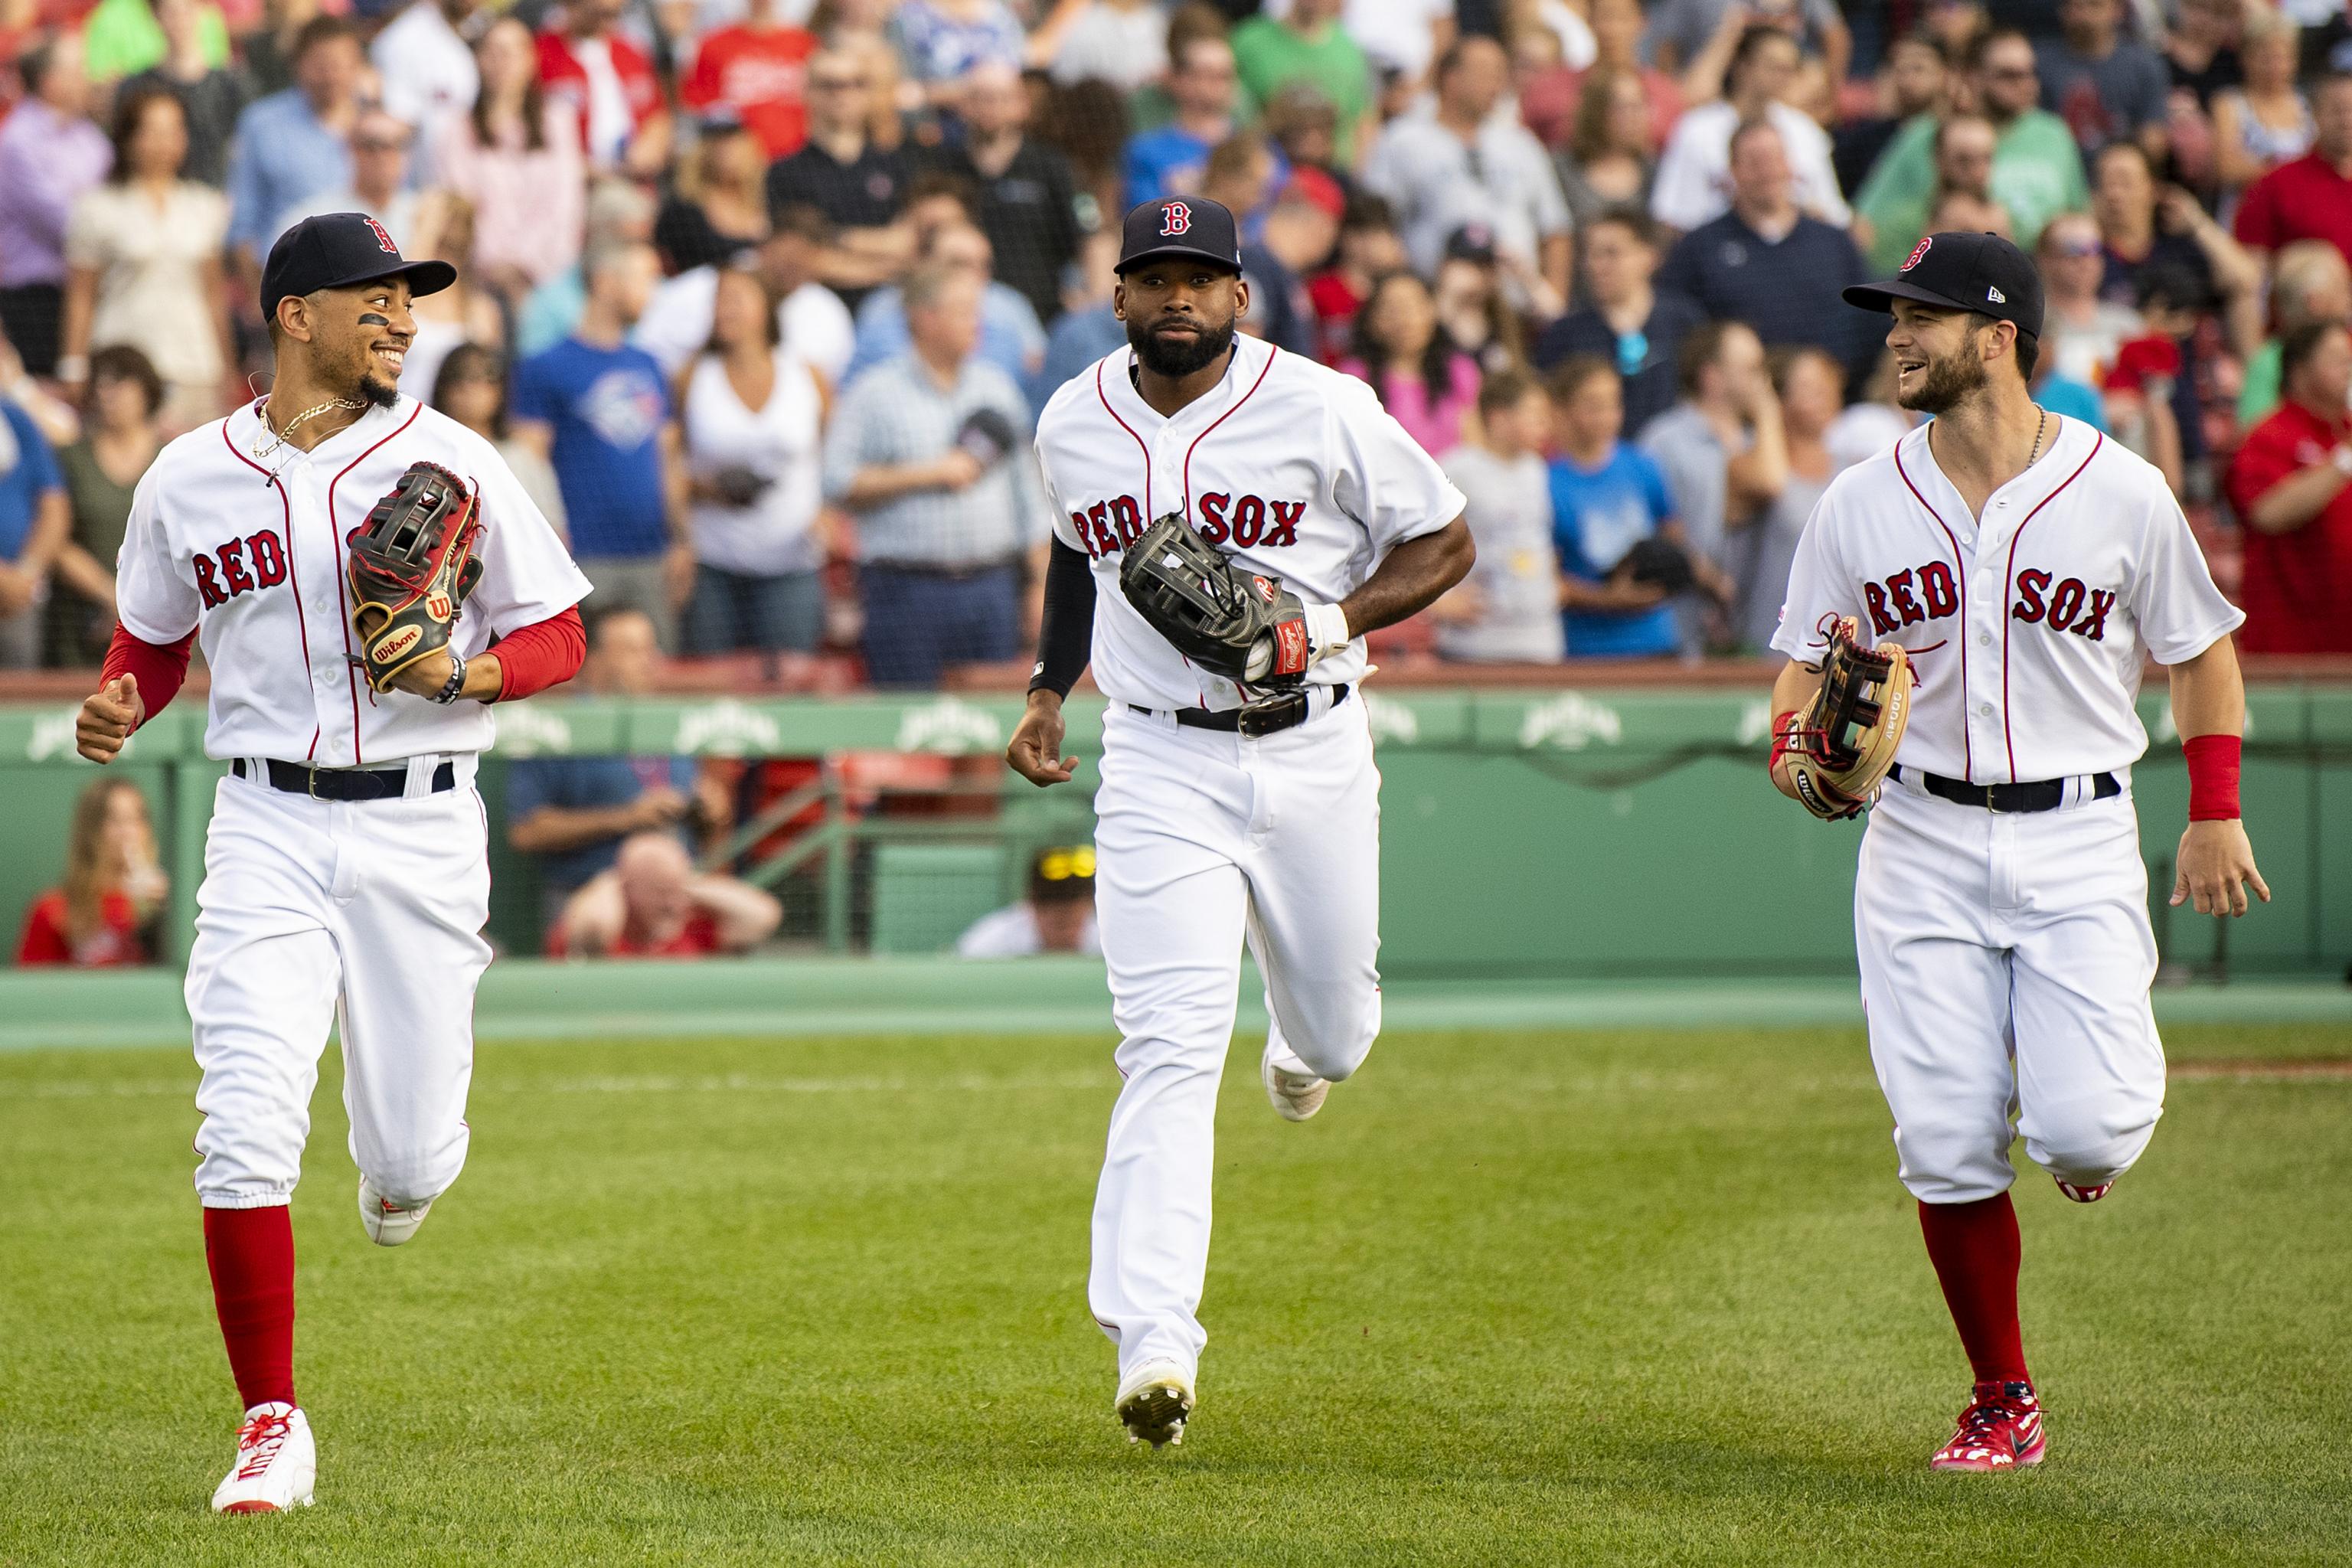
[[2027, 632]]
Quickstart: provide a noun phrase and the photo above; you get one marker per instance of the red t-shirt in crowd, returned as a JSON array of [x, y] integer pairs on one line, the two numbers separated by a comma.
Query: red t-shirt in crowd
[[115, 942], [2305, 199], [759, 73], [698, 937], [565, 79], [2298, 586], [1336, 304]]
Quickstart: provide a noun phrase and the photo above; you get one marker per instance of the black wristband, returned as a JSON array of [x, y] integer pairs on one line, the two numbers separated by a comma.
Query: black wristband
[[455, 687], [1065, 633]]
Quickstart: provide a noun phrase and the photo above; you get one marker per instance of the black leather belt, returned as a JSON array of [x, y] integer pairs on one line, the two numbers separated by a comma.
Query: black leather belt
[[1268, 716], [2045, 795], [347, 783]]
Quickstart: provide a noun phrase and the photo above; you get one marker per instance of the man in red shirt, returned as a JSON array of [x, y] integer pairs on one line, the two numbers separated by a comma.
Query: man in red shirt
[[608, 81], [2311, 197], [2292, 484], [652, 903], [755, 69]]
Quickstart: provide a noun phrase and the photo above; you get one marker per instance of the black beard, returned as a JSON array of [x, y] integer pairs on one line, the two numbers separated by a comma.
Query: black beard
[[1947, 382], [1175, 363], [383, 394]]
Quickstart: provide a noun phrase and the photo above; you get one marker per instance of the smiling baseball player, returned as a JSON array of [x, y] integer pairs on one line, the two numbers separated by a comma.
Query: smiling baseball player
[[345, 871], [1230, 518], [2026, 567]]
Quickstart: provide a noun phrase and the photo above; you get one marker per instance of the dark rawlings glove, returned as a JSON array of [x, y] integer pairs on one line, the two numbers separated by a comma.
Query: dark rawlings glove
[[1838, 751], [1229, 621], [411, 565]]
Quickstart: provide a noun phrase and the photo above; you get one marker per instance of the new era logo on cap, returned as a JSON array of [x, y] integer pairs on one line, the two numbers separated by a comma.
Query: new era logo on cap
[[1995, 295]]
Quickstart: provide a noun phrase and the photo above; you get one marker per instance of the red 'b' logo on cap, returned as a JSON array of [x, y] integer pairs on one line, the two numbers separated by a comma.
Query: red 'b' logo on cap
[[1917, 251], [1175, 218], [382, 237]]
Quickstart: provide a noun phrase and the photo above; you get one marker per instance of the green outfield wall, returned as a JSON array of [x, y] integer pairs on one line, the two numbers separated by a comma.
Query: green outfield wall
[[1538, 833]]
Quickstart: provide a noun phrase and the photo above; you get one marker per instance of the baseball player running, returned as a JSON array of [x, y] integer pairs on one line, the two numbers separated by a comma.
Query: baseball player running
[[2024, 567], [344, 871], [1230, 519]]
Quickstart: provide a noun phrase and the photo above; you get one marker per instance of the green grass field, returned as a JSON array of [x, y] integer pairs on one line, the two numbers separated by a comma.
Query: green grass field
[[1512, 1299]]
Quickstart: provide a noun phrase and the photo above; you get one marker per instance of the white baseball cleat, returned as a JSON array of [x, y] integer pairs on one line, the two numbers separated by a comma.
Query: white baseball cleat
[[1295, 1093], [389, 1224], [276, 1463], [1153, 1402]]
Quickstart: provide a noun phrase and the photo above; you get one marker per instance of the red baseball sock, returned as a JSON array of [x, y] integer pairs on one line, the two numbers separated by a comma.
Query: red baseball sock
[[1975, 1249], [251, 1252]]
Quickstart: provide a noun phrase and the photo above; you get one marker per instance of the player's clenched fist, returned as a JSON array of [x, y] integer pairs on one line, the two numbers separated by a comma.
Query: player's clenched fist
[[1035, 752], [107, 717], [2216, 867]]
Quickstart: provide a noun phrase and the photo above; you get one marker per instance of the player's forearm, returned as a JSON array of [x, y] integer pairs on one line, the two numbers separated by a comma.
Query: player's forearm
[[1411, 579], [158, 668], [2209, 694]]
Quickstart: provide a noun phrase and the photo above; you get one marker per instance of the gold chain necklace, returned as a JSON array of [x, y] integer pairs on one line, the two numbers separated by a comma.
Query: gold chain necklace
[[277, 438]]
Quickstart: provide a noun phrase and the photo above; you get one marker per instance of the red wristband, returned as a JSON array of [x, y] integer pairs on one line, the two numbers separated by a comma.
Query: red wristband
[[1780, 739], [2212, 776]]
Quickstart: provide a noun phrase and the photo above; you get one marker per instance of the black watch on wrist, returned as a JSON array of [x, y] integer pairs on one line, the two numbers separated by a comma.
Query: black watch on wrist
[[455, 684]]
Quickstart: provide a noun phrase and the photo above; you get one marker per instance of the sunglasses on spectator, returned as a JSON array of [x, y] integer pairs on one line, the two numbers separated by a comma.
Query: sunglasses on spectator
[[837, 83], [2075, 247], [2013, 73]]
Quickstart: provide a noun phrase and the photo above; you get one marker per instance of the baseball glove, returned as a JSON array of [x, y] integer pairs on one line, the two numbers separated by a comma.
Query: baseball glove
[[1837, 750], [410, 565], [1229, 621]]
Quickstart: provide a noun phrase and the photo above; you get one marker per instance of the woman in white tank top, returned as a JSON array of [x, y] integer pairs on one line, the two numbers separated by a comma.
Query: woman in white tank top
[[753, 414]]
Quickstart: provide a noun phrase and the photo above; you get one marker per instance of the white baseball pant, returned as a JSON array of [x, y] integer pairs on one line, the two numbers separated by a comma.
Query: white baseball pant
[[310, 910], [2005, 966], [1205, 840]]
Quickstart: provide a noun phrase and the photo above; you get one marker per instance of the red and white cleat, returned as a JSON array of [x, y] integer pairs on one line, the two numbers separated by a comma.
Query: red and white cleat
[[276, 1463], [388, 1222], [1294, 1093], [2084, 1195], [2000, 1430]]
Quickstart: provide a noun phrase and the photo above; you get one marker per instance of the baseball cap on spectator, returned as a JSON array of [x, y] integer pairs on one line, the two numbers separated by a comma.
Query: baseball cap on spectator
[[1472, 242], [338, 250], [1313, 185], [1957, 271], [1180, 227]]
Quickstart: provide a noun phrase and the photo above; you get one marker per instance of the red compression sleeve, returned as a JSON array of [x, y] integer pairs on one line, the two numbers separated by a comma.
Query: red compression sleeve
[[251, 1254], [544, 654], [2212, 776], [158, 668], [1975, 1249]]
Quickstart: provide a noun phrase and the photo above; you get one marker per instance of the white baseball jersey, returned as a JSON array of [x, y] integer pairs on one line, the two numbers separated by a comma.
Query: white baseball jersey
[[241, 537], [1293, 469], [2027, 631]]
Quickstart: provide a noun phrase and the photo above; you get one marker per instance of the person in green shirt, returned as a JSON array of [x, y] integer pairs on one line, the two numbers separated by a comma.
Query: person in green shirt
[[2037, 169], [2309, 282], [121, 37], [1309, 46]]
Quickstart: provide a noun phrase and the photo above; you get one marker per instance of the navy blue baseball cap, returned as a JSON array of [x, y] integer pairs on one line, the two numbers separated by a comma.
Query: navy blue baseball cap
[[1960, 272], [1180, 225], [338, 250]]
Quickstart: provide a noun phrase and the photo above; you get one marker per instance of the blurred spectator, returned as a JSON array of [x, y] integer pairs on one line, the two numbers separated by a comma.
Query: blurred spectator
[[1472, 309], [471, 388], [1400, 38], [753, 418], [427, 66], [2037, 170], [53, 417], [927, 451], [1606, 163], [142, 252], [1122, 42], [464, 312], [2081, 328], [1721, 449], [2144, 227], [35, 520], [292, 146], [572, 813], [1304, 130], [2150, 391], [652, 903], [1682, 31], [840, 171], [122, 37], [2200, 47], [1811, 385], [114, 888], [1238, 174], [2309, 282], [2106, 87], [1167, 162], [718, 202], [1694, 179], [1606, 499], [517, 158], [811, 322], [942, 41], [1916, 81], [1010, 337], [49, 155], [1057, 915], [1872, 422], [587, 62], [1089, 329], [1964, 149], [1030, 206], [270, 49], [2308, 197], [598, 409], [1551, 103], [1427, 384], [1370, 249], [1626, 322], [380, 185], [1771, 266], [617, 212], [2265, 120], [211, 90], [2292, 485], [1508, 610], [1465, 165], [755, 69], [100, 470], [1308, 45]]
